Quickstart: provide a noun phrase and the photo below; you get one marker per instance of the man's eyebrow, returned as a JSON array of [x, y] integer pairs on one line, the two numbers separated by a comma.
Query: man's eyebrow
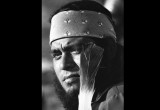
[[67, 48], [54, 50], [71, 47]]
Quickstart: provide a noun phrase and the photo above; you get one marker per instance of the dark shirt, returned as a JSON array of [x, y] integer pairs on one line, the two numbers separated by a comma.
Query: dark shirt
[[110, 99]]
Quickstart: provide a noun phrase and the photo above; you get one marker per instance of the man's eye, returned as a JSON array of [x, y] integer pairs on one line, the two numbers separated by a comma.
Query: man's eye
[[56, 55], [76, 52]]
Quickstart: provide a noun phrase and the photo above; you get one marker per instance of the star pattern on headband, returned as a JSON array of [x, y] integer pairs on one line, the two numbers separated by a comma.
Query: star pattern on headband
[[82, 23]]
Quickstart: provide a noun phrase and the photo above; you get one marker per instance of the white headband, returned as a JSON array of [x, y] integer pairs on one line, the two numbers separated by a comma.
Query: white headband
[[80, 23]]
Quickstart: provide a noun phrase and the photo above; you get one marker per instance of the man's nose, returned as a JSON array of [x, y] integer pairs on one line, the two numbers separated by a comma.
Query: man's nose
[[68, 63]]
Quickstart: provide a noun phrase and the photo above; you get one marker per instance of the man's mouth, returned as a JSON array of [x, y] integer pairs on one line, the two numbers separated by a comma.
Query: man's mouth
[[72, 78]]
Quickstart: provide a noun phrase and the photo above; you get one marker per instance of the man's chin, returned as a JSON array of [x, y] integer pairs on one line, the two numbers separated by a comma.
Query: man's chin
[[72, 87], [69, 99]]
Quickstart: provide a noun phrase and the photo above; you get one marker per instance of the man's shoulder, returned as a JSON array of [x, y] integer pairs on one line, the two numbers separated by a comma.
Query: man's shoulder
[[114, 99], [115, 90]]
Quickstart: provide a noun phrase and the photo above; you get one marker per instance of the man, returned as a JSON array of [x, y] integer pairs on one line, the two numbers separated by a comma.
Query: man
[[88, 72]]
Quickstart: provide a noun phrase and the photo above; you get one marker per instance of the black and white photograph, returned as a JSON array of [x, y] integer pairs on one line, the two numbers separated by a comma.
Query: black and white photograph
[[82, 55]]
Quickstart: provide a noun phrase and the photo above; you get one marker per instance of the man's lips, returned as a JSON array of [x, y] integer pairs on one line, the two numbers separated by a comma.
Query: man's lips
[[71, 78]]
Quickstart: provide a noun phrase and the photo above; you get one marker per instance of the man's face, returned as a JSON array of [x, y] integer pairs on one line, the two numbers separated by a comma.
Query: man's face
[[66, 61]]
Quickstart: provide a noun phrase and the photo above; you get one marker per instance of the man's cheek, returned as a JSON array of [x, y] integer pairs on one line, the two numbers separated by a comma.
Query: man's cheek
[[57, 71], [56, 66]]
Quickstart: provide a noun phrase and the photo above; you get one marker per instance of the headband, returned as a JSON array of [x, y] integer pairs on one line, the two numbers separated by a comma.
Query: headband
[[80, 24]]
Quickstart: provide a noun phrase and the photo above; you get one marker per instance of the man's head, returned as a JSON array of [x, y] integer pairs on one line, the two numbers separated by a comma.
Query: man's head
[[72, 27]]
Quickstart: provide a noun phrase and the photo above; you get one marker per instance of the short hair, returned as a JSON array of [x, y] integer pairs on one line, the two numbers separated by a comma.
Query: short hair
[[85, 5]]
